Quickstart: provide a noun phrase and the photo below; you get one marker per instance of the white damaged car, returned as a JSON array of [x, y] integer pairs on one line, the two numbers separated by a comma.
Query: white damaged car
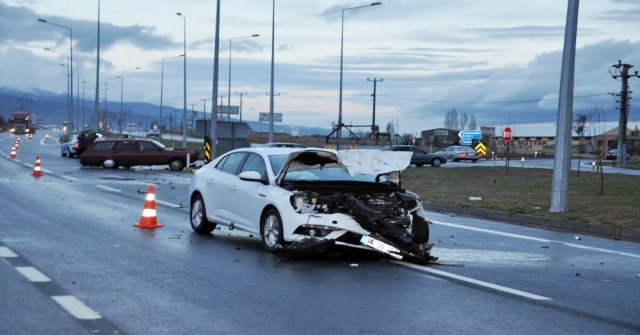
[[313, 200]]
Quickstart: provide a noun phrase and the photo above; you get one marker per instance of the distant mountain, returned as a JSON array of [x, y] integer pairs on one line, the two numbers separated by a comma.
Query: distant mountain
[[51, 108]]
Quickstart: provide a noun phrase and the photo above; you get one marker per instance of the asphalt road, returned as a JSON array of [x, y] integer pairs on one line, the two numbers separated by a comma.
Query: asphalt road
[[74, 264]]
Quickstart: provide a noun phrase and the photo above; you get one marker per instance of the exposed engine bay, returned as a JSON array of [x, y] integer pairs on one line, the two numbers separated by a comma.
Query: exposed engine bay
[[392, 215]]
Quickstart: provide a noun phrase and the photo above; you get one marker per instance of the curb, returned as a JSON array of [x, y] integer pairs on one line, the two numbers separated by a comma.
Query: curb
[[630, 234]]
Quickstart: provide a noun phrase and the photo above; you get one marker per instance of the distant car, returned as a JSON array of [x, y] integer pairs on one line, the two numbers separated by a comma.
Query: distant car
[[154, 133], [420, 157], [70, 147], [460, 153], [112, 153], [612, 155]]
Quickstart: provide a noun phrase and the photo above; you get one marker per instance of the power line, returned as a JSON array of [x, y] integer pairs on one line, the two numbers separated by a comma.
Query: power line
[[489, 102]]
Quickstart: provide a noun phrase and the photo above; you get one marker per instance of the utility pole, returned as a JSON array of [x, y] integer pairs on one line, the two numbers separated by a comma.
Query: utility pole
[[373, 120], [221, 104], [623, 69], [192, 112], [204, 108], [241, 94]]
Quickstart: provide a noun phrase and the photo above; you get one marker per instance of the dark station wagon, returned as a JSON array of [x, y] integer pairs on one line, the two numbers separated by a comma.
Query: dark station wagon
[[112, 153]]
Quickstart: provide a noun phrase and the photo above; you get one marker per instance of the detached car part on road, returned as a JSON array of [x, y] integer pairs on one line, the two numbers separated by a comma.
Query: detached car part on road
[[313, 200], [112, 153]]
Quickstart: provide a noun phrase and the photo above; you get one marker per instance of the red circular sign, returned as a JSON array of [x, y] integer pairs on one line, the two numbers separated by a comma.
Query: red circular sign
[[507, 135]]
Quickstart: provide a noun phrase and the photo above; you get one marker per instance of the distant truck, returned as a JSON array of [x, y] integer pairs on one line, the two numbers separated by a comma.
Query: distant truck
[[372, 140], [23, 122]]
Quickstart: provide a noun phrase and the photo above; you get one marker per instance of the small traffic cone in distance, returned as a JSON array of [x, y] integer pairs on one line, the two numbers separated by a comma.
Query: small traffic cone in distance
[[13, 152], [148, 218], [37, 170]]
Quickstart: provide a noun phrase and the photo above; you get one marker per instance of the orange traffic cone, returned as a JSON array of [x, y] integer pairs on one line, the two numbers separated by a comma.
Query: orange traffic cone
[[148, 218], [15, 145], [37, 171], [13, 152]]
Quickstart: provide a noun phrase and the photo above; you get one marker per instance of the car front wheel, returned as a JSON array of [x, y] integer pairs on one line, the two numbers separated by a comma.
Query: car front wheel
[[271, 230], [109, 164], [176, 165], [420, 230], [436, 162], [198, 214]]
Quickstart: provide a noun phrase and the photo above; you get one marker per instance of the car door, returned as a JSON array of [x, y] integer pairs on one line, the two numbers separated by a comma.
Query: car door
[[218, 190], [125, 153], [150, 154], [419, 156], [248, 198]]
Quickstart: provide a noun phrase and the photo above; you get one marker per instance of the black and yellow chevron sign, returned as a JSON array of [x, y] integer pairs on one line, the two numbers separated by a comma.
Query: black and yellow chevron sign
[[480, 148], [207, 150]]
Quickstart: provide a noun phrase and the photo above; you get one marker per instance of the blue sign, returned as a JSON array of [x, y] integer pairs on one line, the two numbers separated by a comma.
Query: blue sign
[[465, 141], [474, 134]]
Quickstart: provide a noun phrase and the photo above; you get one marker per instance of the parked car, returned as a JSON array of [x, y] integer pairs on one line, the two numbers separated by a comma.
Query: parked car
[[420, 157], [460, 153], [154, 133], [112, 153], [312, 200], [70, 147], [612, 155]]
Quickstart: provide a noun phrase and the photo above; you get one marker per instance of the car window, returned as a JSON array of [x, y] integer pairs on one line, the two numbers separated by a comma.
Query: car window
[[418, 150], [126, 146], [276, 162], [103, 146], [231, 163], [148, 146], [255, 163]]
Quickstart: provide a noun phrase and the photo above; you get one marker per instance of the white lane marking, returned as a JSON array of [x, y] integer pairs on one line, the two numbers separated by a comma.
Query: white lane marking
[[33, 274], [573, 245], [70, 178], [106, 188], [6, 252], [167, 204], [76, 307], [474, 281]]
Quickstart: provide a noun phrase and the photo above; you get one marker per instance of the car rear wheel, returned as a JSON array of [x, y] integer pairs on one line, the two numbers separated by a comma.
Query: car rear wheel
[[436, 162], [420, 230], [176, 164], [419, 165], [198, 214], [109, 164], [271, 230]]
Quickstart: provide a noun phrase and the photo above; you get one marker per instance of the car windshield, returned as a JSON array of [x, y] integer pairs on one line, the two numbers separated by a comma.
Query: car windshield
[[319, 174], [159, 144]]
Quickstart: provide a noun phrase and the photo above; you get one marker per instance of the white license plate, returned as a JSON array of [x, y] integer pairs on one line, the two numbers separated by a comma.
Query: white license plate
[[380, 246]]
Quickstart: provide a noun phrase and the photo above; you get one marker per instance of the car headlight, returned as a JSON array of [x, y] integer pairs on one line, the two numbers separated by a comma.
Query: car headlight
[[315, 231]]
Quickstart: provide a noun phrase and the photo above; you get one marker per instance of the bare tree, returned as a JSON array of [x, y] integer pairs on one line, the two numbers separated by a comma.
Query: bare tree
[[451, 119], [463, 120], [579, 127], [472, 122], [598, 126]]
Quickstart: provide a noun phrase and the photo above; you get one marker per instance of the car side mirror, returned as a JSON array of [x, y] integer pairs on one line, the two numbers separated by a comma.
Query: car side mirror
[[252, 176]]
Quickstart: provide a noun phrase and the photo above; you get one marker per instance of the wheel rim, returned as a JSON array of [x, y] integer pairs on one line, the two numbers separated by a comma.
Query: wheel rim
[[109, 163], [436, 162], [175, 165], [271, 231], [196, 213]]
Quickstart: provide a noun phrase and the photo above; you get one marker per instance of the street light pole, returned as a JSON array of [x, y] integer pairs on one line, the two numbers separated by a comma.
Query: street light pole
[[339, 126], [184, 115], [96, 106], [229, 91], [273, 33], [67, 65], [162, 88], [70, 112], [120, 119]]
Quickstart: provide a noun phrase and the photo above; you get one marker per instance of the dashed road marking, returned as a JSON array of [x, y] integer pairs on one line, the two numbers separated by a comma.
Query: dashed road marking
[[474, 281], [34, 275], [7, 253], [106, 188], [76, 307], [524, 237], [167, 204], [70, 178]]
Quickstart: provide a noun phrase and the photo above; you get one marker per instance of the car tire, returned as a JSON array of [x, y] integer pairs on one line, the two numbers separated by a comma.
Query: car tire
[[436, 162], [198, 215], [109, 164], [420, 230], [419, 165], [176, 164], [474, 160], [271, 230]]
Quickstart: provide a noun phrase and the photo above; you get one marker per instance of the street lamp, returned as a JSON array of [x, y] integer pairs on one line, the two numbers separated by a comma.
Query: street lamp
[[106, 111], [229, 91], [121, 91], [339, 126], [162, 87], [70, 111], [184, 108]]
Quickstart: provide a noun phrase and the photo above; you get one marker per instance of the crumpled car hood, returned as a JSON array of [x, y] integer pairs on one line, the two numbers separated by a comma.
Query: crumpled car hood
[[356, 161]]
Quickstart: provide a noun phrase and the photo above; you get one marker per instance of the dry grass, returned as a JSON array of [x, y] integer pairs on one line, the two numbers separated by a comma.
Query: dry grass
[[521, 190]]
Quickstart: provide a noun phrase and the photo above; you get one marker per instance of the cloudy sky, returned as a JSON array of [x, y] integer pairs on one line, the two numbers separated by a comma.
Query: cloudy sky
[[496, 59]]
